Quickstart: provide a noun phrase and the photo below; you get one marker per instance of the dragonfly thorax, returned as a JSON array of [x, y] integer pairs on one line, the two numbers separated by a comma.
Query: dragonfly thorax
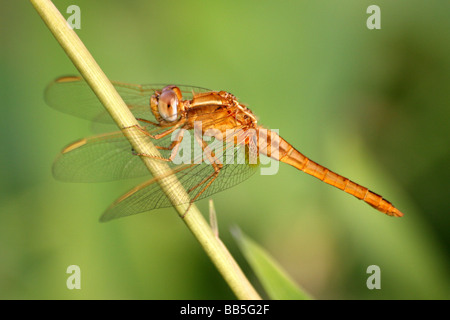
[[245, 117], [242, 114]]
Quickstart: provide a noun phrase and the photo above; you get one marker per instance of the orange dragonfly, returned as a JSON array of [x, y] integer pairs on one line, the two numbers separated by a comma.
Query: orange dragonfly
[[168, 115]]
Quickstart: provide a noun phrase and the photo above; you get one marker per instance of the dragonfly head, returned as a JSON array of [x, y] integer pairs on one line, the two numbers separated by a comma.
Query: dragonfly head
[[167, 105]]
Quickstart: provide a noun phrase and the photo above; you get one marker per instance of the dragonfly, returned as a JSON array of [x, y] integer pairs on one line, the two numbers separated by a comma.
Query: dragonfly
[[169, 115]]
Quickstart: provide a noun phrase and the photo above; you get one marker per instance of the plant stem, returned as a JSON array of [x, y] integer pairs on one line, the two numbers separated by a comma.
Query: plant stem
[[114, 104]]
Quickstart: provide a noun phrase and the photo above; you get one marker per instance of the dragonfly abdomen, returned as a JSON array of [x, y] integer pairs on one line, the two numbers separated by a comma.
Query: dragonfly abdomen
[[290, 155]]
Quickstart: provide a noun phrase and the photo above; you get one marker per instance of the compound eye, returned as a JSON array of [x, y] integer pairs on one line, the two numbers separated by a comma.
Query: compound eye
[[168, 105]]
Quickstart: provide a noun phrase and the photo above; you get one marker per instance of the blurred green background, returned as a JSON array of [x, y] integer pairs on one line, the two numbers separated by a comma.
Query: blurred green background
[[372, 105]]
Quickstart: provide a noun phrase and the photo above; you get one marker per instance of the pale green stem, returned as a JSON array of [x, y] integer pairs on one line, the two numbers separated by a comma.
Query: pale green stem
[[112, 101]]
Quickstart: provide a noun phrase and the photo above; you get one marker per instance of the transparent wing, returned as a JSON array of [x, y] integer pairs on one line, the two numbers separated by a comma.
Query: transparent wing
[[193, 178], [96, 159], [109, 157], [73, 95], [106, 157]]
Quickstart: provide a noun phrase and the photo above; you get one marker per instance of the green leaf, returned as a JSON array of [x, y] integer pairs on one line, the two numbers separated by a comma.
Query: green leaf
[[276, 282]]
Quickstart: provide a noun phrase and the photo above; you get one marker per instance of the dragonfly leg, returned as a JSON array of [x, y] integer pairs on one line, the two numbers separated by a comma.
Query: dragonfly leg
[[174, 146], [148, 121], [159, 135], [145, 132], [207, 183], [216, 164]]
